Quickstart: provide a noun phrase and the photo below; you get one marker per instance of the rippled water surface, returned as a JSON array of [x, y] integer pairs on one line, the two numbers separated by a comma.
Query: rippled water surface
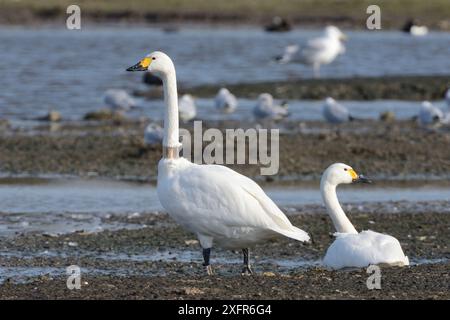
[[69, 70], [56, 206]]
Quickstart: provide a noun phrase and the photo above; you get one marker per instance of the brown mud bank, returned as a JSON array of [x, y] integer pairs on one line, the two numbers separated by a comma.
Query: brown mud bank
[[417, 282], [364, 88], [422, 236], [348, 14], [397, 150]]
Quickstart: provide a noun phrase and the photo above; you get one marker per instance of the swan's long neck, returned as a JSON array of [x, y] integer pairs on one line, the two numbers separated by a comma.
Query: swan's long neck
[[340, 220], [171, 141]]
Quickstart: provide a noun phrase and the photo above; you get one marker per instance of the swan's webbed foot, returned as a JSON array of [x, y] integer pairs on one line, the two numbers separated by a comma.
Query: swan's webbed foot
[[206, 256], [247, 270]]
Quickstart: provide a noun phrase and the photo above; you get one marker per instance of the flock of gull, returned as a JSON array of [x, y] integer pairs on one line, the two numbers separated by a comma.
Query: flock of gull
[[265, 108], [226, 209], [315, 52]]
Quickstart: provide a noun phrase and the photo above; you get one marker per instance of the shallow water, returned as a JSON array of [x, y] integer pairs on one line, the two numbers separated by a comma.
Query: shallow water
[[69, 70], [60, 206]]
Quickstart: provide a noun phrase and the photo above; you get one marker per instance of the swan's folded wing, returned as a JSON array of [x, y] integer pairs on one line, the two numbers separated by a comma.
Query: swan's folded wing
[[247, 188]]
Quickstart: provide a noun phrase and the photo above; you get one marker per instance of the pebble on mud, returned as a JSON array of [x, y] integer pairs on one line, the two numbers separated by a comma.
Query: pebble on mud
[[104, 115], [387, 116]]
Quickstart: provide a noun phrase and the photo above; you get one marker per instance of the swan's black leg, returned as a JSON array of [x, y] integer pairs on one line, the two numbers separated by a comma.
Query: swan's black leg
[[247, 270], [206, 255]]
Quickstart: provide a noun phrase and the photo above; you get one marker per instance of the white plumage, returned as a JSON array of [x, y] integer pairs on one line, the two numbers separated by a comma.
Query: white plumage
[[363, 249], [153, 134], [118, 99], [265, 108], [353, 249], [413, 28], [430, 114], [217, 204], [418, 31], [225, 101], [317, 51], [187, 108], [334, 112], [221, 205]]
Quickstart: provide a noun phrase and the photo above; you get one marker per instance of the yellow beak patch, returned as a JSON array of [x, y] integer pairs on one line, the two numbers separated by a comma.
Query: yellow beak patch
[[145, 62], [353, 174]]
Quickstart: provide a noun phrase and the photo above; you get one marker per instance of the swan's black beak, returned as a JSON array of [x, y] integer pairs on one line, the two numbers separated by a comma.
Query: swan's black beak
[[141, 65], [137, 67], [362, 179]]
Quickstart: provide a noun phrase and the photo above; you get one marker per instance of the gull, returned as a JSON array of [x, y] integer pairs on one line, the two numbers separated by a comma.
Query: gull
[[225, 101], [317, 51], [118, 100], [335, 112], [266, 109]]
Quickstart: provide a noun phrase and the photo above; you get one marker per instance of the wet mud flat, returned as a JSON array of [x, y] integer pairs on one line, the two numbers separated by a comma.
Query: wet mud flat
[[382, 150], [161, 261], [357, 88]]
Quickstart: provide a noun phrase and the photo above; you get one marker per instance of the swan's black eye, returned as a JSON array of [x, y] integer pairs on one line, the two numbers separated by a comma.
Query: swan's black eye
[[345, 169], [153, 58]]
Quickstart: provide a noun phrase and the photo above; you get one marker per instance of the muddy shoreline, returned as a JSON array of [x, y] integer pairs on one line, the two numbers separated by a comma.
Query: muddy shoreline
[[55, 15], [398, 150], [416, 88], [126, 276]]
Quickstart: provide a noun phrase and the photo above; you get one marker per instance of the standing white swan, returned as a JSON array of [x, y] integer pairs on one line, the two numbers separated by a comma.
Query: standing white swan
[[216, 203], [353, 249], [225, 101], [265, 108], [317, 51]]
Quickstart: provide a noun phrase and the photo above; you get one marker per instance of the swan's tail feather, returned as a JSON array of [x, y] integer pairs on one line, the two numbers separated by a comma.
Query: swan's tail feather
[[294, 233]]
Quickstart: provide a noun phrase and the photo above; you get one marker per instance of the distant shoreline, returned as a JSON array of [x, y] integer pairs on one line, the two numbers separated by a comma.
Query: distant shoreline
[[218, 21], [414, 88], [349, 14]]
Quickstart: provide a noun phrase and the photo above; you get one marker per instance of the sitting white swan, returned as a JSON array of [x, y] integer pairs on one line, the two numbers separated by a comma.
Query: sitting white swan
[[266, 109], [153, 134], [317, 51], [334, 112], [118, 100], [216, 203], [353, 249], [187, 108], [225, 101], [430, 114]]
